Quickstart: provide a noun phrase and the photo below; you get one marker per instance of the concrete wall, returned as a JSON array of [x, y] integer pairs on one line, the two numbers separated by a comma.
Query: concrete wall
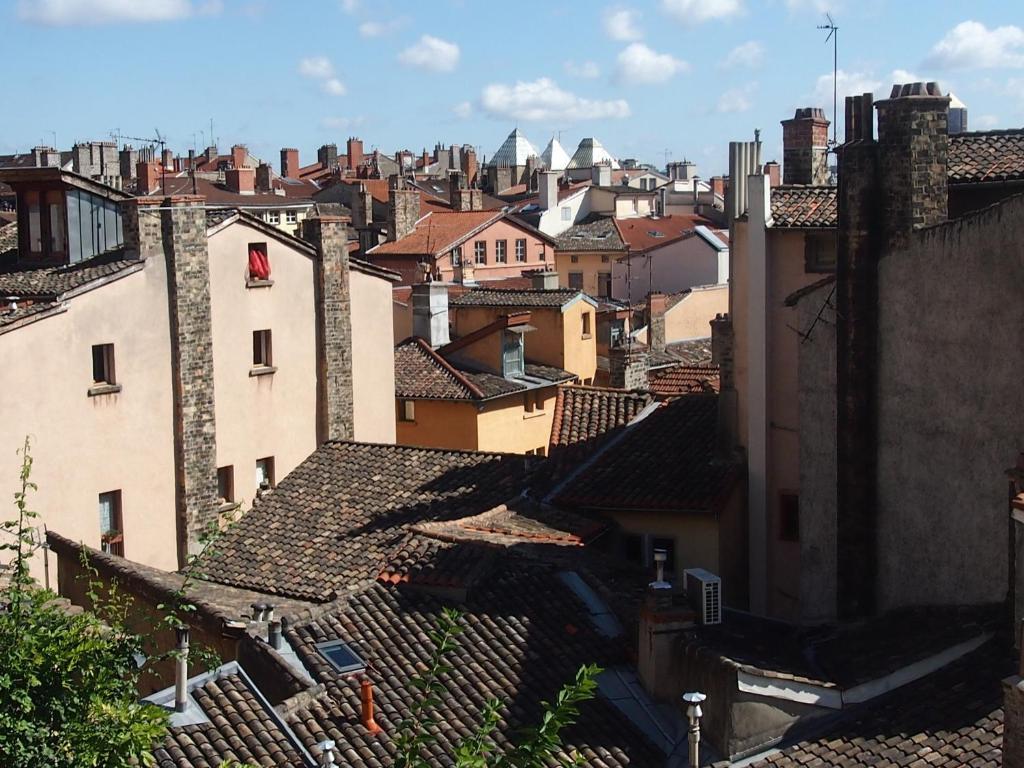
[[373, 359], [672, 268], [83, 446], [275, 414], [950, 405], [691, 317]]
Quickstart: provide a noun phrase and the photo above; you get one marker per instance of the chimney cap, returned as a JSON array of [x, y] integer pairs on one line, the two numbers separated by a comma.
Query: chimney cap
[[906, 90]]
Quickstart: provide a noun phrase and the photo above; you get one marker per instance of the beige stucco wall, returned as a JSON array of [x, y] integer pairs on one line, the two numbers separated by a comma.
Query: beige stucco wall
[[373, 359], [695, 536], [450, 424], [83, 446], [674, 267], [272, 415], [691, 317], [401, 318], [589, 263], [504, 425]]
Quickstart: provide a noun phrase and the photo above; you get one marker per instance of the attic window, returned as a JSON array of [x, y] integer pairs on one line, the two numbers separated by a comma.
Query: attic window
[[259, 263], [340, 655]]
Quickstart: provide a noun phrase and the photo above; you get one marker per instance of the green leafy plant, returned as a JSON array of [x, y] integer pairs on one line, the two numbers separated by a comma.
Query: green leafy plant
[[536, 747]]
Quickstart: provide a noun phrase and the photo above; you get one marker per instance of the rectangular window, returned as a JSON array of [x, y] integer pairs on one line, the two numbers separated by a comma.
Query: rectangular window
[[566, 213], [265, 472], [259, 262], [576, 281], [226, 484], [480, 251], [521, 249], [457, 256], [262, 349], [820, 252], [291, 217], [543, 451], [273, 217], [543, 253], [103, 364], [111, 523], [586, 325], [604, 284], [501, 252], [512, 360], [604, 258], [789, 516], [55, 213], [575, 258], [35, 224], [407, 410]]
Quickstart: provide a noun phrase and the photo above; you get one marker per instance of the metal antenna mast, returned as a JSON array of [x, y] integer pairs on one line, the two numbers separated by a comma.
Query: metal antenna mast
[[833, 35], [163, 145]]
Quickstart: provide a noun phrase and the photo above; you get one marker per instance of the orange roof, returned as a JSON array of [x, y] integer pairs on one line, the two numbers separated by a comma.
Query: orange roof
[[439, 232], [378, 189], [645, 233]]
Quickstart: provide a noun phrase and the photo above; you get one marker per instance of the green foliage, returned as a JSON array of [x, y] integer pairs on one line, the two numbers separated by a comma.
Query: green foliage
[[68, 680], [536, 747]]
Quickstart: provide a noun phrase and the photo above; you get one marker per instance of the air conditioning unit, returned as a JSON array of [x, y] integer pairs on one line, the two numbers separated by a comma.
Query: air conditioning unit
[[704, 591]]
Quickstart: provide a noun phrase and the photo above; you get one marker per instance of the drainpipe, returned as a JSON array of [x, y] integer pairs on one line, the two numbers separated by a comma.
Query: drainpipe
[[181, 671], [694, 713], [366, 696]]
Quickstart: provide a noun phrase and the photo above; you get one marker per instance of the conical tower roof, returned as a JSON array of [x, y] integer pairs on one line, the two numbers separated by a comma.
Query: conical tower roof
[[589, 153], [514, 151], [554, 156]]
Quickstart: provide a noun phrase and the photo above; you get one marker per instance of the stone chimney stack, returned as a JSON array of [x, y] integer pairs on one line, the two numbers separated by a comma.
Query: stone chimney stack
[[531, 173], [546, 280], [627, 368], [430, 313], [456, 187], [403, 208], [362, 207], [290, 163], [722, 355], [662, 623], [656, 305], [548, 189], [329, 235], [264, 177], [167, 158], [805, 147], [354, 153], [327, 156]]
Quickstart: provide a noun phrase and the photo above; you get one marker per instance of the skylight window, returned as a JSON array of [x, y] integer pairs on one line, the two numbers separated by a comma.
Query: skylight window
[[341, 656], [655, 233]]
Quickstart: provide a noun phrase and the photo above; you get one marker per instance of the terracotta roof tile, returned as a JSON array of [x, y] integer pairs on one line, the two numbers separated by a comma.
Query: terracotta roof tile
[[49, 282], [986, 156], [438, 233], [587, 416], [668, 461], [798, 206], [594, 233], [679, 380], [645, 233], [507, 297]]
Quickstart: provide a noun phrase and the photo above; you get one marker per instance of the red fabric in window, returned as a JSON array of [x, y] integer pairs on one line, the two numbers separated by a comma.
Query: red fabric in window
[[259, 265]]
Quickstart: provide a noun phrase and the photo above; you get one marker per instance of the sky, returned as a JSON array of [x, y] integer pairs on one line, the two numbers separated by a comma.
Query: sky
[[654, 80]]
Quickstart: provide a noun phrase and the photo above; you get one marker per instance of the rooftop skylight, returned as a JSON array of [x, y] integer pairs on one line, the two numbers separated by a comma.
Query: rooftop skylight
[[341, 656]]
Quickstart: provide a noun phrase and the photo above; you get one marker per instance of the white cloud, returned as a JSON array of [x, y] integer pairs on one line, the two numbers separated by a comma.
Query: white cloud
[[342, 123], [640, 64], [94, 12], [381, 28], [822, 6], [320, 68], [747, 54], [586, 69], [736, 99], [431, 53], [463, 110], [847, 84], [620, 24], [984, 122], [698, 11], [349, 6], [543, 100], [972, 45]]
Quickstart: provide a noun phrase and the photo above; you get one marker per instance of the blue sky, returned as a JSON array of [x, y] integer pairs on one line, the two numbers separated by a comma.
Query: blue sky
[[684, 76]]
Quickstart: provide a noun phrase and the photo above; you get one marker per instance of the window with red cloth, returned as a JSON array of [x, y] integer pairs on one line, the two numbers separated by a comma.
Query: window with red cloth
[[259, 263]]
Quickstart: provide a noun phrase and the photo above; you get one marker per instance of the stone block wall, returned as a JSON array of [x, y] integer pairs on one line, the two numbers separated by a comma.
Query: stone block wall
[[627, 368], [403, 209], [805, 147]]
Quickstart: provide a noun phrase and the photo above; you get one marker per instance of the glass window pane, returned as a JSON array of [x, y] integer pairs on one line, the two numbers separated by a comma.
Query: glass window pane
[[74, 227], [35, 229], [109, 225]]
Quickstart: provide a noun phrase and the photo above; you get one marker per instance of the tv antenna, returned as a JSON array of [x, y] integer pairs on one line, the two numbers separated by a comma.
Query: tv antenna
[[667, 153], [833, 35], [163, 145]]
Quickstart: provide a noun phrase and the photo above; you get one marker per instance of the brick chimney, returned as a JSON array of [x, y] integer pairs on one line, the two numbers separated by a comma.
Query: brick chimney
[[430, 313], [327, 156], [290, 163], [467, 161], [329, 235], [403, 208], [718, 185], [128, 160], [354, 153], [149, 178], [805, 147], [241, 181], [656, 305], [264, 177], [239, 154], [772, 171], [662, 622]]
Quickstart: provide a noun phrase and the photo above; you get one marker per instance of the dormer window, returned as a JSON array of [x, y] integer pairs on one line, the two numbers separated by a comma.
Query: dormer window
[[512, 357]]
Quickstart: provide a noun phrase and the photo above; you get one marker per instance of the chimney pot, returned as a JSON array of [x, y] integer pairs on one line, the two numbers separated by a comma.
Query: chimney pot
[[274, 634], [181, 670], [430, 313], [366, 698]]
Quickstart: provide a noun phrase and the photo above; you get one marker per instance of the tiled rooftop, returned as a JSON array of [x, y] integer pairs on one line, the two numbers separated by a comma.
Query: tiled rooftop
[[594, 233], [798, 206], [587, 416], [645, 233], [333, 521], [666, 462], [986, 156], [683, 380], [438, 233], [497, 297], [49, 282]]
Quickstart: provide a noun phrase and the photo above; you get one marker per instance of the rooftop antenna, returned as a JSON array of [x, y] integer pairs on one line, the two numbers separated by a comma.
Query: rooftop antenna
[[667, 153], [833, 35], [163, 145]]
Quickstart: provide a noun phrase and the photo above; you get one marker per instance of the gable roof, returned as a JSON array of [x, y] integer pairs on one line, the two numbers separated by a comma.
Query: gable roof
[[644, 234], [439, 232], [804, 206], [330, 524], [593, 233], [678, 380], [508, 297], [666, 461], [585, 417]]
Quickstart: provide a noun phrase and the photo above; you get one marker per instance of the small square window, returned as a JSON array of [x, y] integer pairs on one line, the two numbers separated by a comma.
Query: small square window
[[480, 251], [262, 349], [501, 252], [521, 249], [103, 364], [259, 262], [111, 523], [604, 258], [604, 284], [789, 517], [226, 484], [566, 213], [575, 258], [265, 472], [291, 217], [341, 656], [407, 410], [273, 217]]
